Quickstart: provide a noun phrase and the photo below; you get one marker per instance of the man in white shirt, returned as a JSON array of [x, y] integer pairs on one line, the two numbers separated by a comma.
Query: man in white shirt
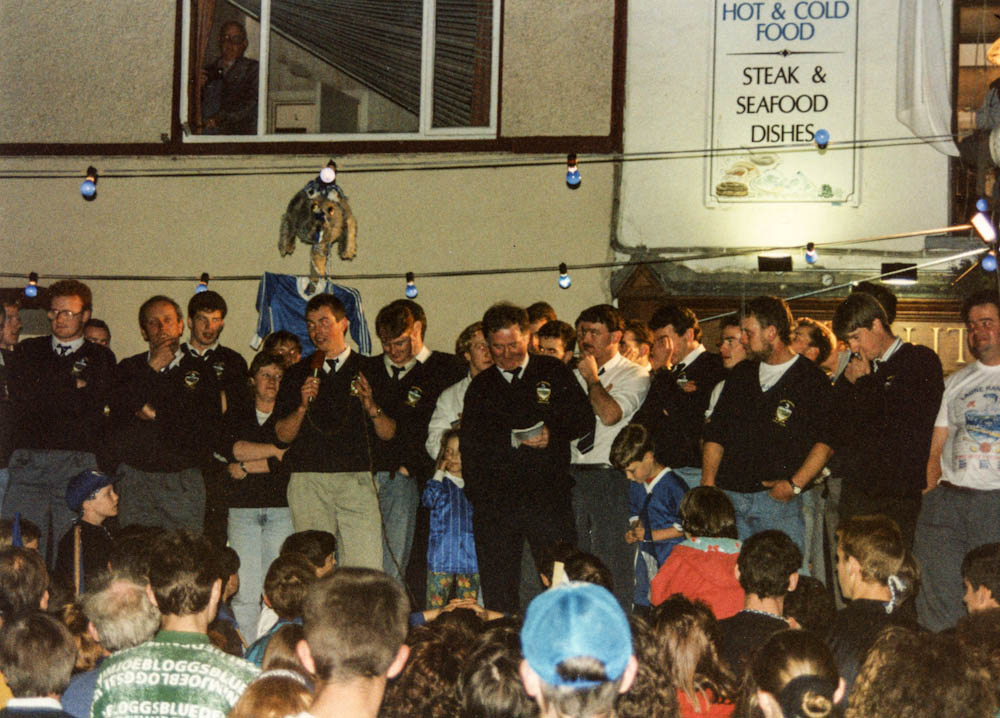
[[616, 388], [961, 504]]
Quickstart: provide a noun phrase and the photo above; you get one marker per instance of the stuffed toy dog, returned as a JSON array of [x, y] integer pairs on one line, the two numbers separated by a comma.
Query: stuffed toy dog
[[319, 215]]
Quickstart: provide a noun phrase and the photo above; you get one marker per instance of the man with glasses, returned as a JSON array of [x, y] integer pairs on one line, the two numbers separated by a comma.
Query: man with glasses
[[60, 385], [229, 97]]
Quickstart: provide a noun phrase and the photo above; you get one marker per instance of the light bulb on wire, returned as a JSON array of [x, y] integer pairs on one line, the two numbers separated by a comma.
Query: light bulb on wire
[[31, 290], [989, 262], [328, 175], [411, 287], [822, 138], [811, 254], [88, 188], [572, 172], [565, 281], [202, 284]]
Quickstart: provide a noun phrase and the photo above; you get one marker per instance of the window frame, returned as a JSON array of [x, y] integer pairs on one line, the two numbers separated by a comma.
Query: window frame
[[425, 132]]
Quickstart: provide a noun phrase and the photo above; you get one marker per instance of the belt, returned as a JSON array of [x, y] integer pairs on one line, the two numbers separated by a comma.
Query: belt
[[591, 467], [963, 489]]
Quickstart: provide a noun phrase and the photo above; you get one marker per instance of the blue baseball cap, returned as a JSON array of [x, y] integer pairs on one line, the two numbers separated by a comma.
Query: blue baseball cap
[[573, 620], [84, 484]]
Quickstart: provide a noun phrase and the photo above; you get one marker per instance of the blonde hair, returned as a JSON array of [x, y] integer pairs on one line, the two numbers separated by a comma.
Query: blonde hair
[[274, 694]]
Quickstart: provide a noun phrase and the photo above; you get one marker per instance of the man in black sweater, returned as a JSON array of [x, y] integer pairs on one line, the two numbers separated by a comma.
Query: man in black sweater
[[60, 385], [334, 419], [768, 436], [674, 410], [889, 396], [412, 377], [166, 411], [518, 481]]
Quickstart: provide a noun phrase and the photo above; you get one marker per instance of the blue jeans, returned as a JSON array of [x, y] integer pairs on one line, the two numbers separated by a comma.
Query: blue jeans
[[398, 498], [757, 511], [813, 510], [690, 474], [255, 534]]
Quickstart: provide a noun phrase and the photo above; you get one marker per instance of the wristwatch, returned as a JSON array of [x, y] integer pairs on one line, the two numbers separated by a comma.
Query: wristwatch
[[796, 489]]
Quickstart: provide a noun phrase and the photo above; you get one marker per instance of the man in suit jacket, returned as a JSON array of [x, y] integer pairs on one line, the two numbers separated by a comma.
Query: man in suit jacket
[[518, 482]]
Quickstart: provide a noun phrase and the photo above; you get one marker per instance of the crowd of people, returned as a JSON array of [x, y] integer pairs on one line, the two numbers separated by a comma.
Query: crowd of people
[[585, 519]]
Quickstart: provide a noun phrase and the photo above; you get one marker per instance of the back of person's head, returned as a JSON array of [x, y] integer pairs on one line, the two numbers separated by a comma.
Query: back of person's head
[[489, 685], [811, 604], [920, 675], [428, 685], [504, 315], [228, 562], [274, 694], [653, 693], [577, 644], [541, 310], [876, 543], [707, 511], [979, 635], [883, 295], [317, 546], [88, 650], [766, 561], [797, 671], [287, 582], [207, 301], [23, 581], [27, 533], [121, 612], [132, 550], [281, 649], [554, 553], [858, 311], [771, 311], [586, 567], [676, 316], [631, 444], [604, 314], [355, 623], [37, 655], [981, 567], [557, 329], [182, 572], [688, 634]]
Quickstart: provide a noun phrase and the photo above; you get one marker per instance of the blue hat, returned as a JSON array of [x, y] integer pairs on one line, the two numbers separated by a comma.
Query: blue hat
[[84, 484], [572, 620]]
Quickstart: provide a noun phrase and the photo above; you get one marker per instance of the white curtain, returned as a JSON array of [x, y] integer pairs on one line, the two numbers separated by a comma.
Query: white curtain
[[923, 98]]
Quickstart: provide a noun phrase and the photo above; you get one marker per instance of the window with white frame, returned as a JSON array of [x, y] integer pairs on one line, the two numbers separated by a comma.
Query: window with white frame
[[287, 70]]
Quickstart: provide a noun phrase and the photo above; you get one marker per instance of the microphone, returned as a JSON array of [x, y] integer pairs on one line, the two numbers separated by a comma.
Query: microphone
[[317, 366]]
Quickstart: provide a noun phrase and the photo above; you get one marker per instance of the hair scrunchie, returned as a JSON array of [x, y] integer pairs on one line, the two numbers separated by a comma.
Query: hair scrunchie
[[790, 697], [284, 673], [896, 589]]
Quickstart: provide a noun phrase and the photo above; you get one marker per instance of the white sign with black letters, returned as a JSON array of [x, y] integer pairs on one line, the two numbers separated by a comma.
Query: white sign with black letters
[[783, 73]]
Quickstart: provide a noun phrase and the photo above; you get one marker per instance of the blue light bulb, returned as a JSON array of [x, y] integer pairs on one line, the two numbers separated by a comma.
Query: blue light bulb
[[572, 172], [32, 289], [88, 189], [822, 138], [982, 205], [811, 254], [565, 281], [202, 283], [989, 262], [411, 287]]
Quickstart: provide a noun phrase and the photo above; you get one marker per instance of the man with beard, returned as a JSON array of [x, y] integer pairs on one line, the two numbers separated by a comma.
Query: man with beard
[[768, 436], [961, 503]]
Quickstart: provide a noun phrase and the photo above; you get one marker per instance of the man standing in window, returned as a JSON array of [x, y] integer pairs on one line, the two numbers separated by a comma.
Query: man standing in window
[[229, 97]]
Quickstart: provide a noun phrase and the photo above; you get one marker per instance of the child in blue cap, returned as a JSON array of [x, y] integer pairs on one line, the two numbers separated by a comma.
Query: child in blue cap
[[83, 551]]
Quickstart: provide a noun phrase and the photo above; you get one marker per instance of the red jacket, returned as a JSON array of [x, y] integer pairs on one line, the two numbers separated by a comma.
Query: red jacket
[[702, 569]]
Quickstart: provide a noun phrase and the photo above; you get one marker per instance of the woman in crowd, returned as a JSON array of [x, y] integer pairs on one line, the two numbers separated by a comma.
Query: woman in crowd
[[259, 518]]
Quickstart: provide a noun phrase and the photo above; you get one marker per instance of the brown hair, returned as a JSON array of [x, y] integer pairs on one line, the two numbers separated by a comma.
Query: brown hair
[[876, 543]]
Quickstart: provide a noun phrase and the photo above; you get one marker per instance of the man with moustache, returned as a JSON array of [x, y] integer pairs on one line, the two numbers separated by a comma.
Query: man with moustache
[[59, 385], [517, 424], [768, 436], [333, 419], [674, 410], [166, 411], [616, 388], [961, 503]]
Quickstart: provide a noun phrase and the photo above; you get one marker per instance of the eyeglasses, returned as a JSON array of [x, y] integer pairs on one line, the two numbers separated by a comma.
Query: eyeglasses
[[63, 314], [235, 39], [270, 377]]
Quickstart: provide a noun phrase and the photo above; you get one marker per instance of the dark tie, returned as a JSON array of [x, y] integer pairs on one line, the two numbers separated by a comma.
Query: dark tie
[[678, 369], [396, 371], [586, 442], [64, 349], [332, 363], [514, 373]]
